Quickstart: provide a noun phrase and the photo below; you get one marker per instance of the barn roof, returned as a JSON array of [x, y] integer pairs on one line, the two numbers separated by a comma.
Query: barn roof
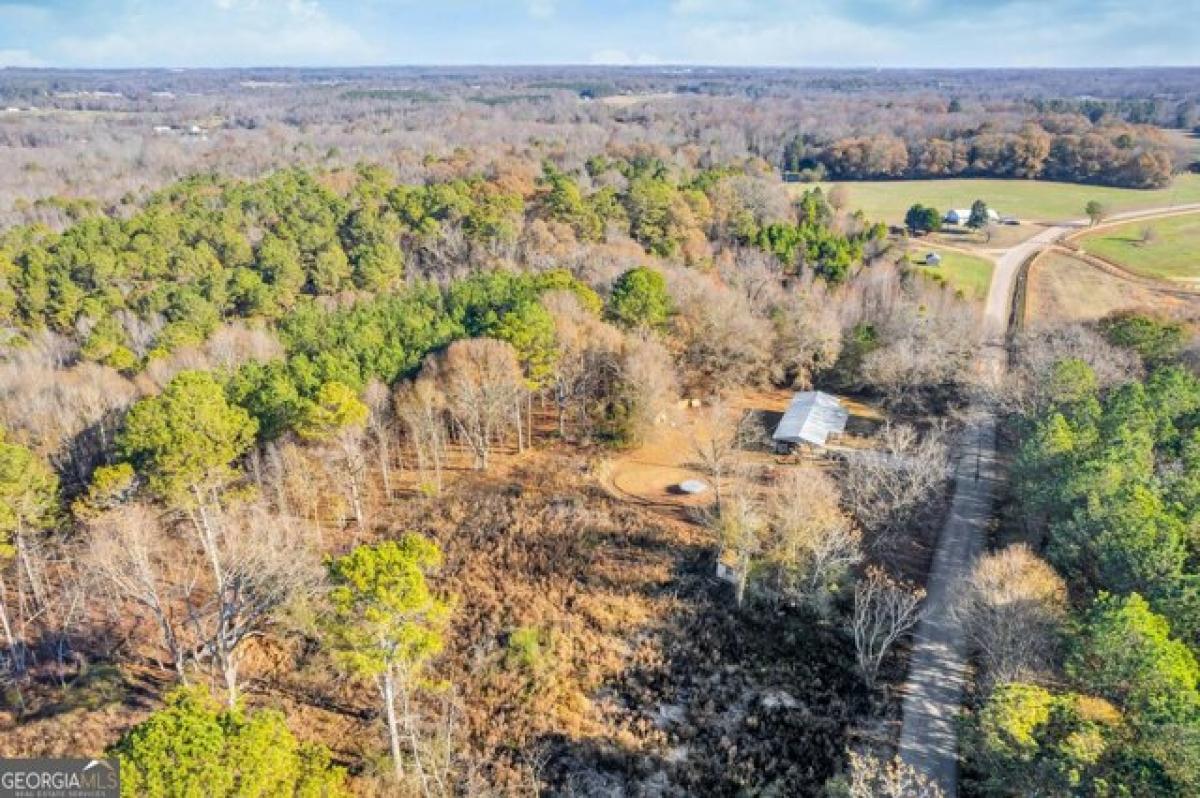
[[811, 418]]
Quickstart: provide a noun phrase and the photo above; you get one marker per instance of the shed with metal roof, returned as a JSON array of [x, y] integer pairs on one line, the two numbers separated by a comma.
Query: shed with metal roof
[[811, 418]]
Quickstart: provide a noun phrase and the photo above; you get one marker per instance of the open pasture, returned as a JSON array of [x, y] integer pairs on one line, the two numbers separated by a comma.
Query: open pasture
[[1033, 200], [1162, 249], [969, 274]]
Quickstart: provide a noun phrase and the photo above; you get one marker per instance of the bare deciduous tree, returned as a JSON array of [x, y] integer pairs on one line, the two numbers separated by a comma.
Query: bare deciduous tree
[[589, 351], [481, 380], [807, 338], [813, 543], [646, 384], [1027, 388], [886, 486], [257, 562], [420, 406], [740, 527], [884, 610], [261, 563], [869, 776], [69, 415], [717, 443], [725, 343], [925, 338], [131, 553], [380, 427]]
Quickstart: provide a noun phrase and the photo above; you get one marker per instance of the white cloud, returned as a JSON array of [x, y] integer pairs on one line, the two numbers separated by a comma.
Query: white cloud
[[618, 57], [541, 9], [244, 33], [19, 58], [825, 40]]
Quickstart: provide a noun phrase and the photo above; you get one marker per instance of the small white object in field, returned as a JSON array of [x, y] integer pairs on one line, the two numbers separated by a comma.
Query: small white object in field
[[693, 486]]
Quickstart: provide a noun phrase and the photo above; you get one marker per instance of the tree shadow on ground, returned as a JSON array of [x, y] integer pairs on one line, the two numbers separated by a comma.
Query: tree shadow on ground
[[718, 702]]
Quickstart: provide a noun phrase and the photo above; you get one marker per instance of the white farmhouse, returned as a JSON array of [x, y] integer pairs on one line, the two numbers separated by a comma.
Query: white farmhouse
[[961, 216]]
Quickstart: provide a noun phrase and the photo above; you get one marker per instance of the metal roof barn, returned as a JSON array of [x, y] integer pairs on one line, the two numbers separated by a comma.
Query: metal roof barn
[[811, 418]]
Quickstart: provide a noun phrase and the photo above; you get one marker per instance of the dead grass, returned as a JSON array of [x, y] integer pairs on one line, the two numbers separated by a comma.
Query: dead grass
[[644, 673], [1064, 288], [1004, 236], [650, 473], [629, 100]]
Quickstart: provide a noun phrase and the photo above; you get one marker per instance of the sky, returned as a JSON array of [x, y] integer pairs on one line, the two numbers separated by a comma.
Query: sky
[[832, 33]]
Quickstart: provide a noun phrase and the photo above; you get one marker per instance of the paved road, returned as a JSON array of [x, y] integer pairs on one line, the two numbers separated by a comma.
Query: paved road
[[937, 667]]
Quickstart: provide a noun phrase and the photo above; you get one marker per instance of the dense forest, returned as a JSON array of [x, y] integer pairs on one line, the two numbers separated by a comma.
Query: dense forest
[[1089, 682], [1065, 147]]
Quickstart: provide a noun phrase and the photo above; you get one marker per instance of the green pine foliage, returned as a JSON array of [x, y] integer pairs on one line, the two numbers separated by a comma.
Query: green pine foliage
[[131, 288], [185, 439], [28, 494], [640, 299], [813, 241], [194, 748], [1112, 477]]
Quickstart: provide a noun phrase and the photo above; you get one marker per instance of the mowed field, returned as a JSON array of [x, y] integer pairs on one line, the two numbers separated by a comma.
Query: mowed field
[[1173, 253], [1064, 288], [967, 273], [1033, 200]]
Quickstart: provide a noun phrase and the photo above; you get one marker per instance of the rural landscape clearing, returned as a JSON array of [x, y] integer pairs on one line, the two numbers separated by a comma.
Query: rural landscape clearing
[[629, 400]]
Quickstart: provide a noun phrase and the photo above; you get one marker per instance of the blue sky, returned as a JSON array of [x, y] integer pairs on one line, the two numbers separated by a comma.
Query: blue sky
[[190, 33]]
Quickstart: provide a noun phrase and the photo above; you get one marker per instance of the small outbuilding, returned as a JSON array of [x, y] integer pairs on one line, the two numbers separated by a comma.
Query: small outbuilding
[[810, 419]]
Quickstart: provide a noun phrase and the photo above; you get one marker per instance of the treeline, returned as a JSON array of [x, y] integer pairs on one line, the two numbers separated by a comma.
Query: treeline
[[104, 134], [1091, 680], [1067, 148], [140, 282]]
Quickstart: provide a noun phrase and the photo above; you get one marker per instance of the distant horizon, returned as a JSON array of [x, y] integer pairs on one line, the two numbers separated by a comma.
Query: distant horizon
[[597, 67], [816, 34]]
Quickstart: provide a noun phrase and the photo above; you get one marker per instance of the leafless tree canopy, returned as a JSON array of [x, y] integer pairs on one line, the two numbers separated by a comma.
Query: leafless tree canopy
[[912, 123], [869, 776], [813, 543], [1013, 607], [884, 610], [1027, 387], [483, 389], [885, 487]]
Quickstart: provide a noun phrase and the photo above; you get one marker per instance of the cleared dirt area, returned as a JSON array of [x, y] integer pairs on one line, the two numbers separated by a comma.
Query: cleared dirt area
[[1065, 288], [1002, 237], [650, 474]]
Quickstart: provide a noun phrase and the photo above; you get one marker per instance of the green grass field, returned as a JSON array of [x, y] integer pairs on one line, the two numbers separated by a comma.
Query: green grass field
[[1035, 200], [960, 271], [1173, 253]]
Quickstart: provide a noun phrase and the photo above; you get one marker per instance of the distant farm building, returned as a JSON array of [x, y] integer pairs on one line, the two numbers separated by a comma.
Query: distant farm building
[[961, 216], [933, 259], [810, 419]]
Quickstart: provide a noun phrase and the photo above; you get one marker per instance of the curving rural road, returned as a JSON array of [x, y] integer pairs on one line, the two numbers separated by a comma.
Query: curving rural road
[[937, 666]]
